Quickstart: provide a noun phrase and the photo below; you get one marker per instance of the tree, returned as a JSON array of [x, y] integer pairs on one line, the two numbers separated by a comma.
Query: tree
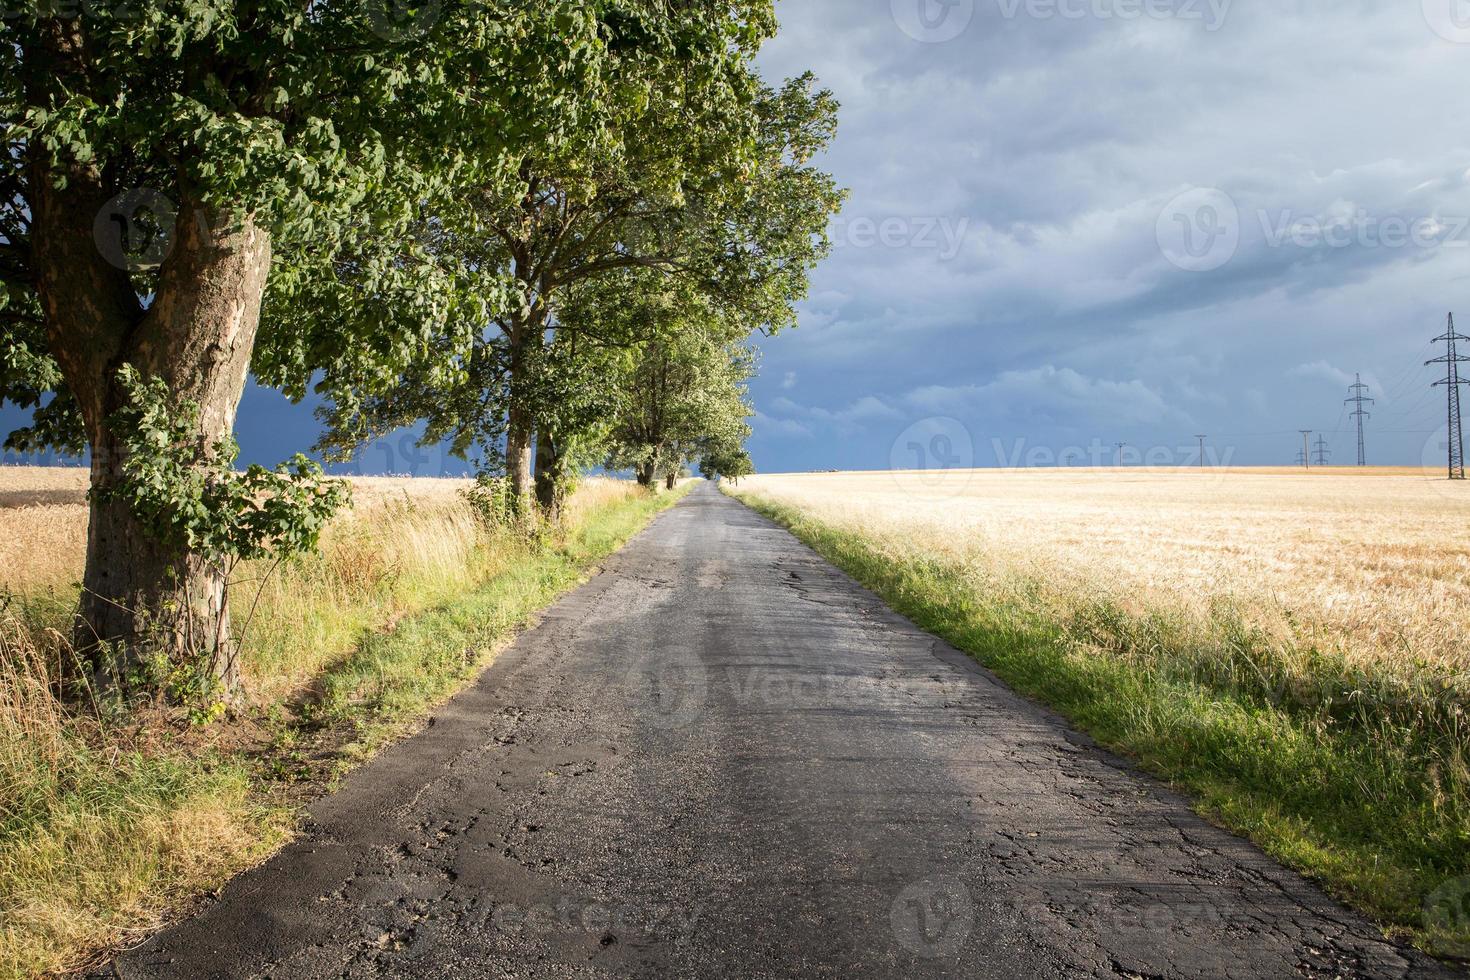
[[174, 166], [678, 383], [704, 180], [720, 462]]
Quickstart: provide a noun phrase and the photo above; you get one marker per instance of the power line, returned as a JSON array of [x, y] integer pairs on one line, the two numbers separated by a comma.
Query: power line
[[1323, 453], [1452, 382], [1358, 397]]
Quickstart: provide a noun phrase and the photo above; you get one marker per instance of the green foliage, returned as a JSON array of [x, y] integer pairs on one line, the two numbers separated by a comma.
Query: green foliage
[[491, 500], [676, 380], [719, 461], [693, 180], [191, 497], [341, 130]]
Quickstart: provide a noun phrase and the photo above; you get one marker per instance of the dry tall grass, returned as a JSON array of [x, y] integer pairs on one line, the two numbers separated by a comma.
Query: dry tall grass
[[106, 817]]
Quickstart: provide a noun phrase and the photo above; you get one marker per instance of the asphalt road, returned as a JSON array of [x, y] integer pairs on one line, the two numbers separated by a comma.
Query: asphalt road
[[721, 757]]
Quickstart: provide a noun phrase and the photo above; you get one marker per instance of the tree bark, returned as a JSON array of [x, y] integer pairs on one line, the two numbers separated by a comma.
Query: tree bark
[[520, 422], [646, 475], [671, 481], [549, 477], [140, 596], [518, 434]]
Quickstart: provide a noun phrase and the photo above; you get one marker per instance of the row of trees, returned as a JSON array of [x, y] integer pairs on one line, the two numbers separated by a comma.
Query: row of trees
[[543, 229]]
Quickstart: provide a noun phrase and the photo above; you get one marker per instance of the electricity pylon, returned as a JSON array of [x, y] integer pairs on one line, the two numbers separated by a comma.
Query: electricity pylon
[[1452, 381], [1358, 399]]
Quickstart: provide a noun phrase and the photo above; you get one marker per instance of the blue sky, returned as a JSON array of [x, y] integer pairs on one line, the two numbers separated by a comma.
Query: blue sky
[[1076, 223]]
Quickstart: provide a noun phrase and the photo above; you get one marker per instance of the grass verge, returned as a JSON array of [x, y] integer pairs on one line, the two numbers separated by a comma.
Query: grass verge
[[108, 820], [1359, 782]]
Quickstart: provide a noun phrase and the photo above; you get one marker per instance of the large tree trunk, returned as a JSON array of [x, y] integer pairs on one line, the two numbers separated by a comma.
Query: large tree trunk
[[518, 435], [550, 477], [646, 475], [671, 481], [142, 597], [139, 596], [520, 423]]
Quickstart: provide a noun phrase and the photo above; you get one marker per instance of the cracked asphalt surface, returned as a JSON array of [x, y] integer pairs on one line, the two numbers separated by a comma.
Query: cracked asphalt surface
[[722, 757]]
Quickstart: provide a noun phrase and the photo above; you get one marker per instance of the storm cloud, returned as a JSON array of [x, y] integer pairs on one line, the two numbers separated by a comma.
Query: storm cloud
[[1126, 220]]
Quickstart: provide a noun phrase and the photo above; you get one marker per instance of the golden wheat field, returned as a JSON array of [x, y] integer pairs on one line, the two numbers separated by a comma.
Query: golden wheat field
[[1373, 563], [43, 518]]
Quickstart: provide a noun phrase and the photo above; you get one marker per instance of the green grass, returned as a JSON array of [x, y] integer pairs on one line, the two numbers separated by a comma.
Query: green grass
[[109, 820], [1358, 782]]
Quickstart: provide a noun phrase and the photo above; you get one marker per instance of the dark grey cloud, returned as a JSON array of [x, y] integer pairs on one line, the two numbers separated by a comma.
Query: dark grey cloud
[[1026, 192]]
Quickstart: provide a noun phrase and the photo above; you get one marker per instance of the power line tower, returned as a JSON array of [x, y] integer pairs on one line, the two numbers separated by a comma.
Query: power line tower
[[1201, 449], [1358, 398], [1323, 454], [1121, 446], [1306, 448], [1301, 457], [1452, 381]]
